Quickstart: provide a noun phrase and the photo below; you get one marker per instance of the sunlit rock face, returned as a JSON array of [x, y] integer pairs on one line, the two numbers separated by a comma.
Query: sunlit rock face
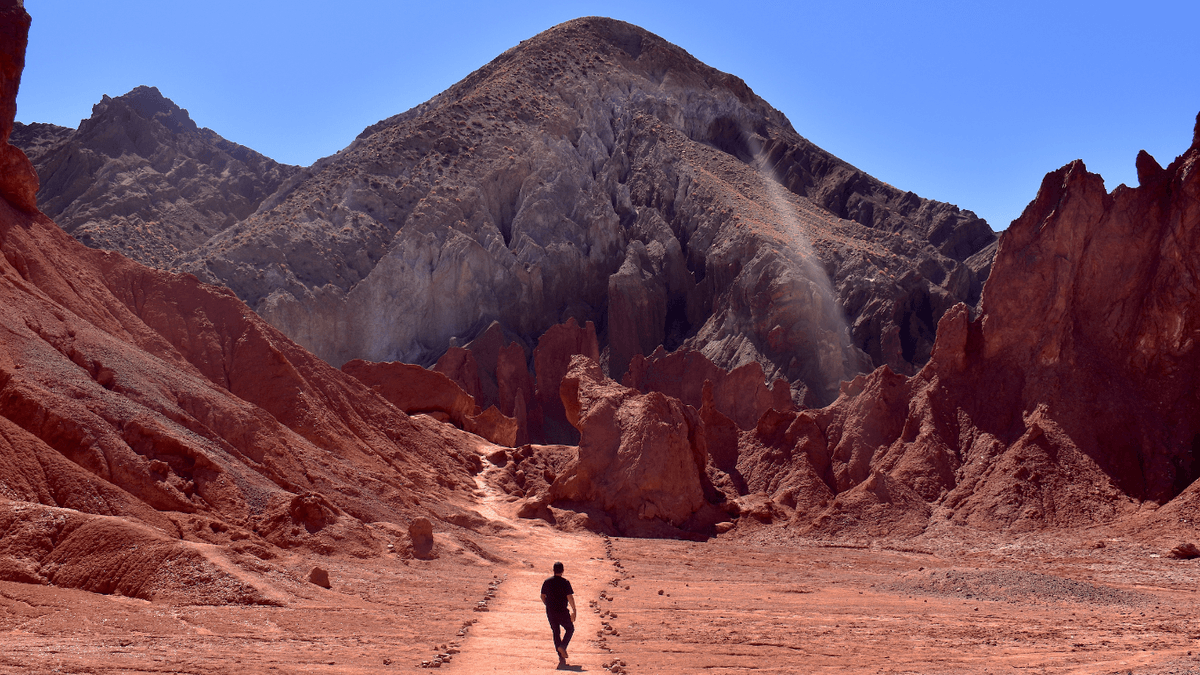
[[1069, 401], [140, 177], [600, 173], [151, 425], [640, 456], [18, 181]]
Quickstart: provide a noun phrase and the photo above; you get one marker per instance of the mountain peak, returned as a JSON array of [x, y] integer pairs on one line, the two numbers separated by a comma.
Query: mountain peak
[[149, 104], [145, 142], [596, 171]]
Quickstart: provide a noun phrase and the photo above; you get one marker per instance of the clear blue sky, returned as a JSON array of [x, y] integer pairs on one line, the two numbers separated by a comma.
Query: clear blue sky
[[966, 102]]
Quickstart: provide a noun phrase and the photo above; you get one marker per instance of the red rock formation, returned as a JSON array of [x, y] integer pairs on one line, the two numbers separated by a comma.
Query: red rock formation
[[459, 365], [182, 397], [497, 367], [551, 361], [516, 392], [1067, 402], [494, 426], [133, 393], [104, 554], [18, 180], [641, 456], [740, 394], [416, 390]]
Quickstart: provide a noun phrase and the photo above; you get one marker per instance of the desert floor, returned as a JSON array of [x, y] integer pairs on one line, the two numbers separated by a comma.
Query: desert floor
[[749, 601]]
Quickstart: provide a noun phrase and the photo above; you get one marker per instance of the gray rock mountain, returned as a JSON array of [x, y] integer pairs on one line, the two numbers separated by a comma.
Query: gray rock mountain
[[596, 172], [141, 178]]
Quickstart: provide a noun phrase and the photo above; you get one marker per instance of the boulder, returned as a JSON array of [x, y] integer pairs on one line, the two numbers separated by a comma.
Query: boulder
[[420, 533], [639, 457], [1185, 551], [319, 577]]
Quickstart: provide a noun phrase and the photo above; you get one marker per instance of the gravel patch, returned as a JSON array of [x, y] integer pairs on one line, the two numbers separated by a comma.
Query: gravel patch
[[1014, 586]]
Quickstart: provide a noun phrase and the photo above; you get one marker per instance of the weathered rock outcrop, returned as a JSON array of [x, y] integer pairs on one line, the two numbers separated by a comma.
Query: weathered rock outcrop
[[641, 457], [1069, 401], [141, 178], [105, 554], [600, 173], [741, 394], [417, 390], [156, 409], [18, 180], [495, 369], [414, 389], [552, 360]]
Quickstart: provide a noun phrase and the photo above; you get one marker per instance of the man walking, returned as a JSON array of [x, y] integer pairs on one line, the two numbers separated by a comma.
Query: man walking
[[556, 595]]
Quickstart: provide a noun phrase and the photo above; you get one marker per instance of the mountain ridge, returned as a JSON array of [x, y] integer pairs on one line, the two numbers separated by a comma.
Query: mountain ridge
[[141, 177], [558, 181]]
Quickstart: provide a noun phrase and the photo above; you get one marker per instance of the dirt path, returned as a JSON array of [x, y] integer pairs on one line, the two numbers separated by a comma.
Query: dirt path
[[747, 602], [513, 636]]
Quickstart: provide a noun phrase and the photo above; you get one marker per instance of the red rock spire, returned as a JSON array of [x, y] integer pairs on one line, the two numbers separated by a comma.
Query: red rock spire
[[18, 180]]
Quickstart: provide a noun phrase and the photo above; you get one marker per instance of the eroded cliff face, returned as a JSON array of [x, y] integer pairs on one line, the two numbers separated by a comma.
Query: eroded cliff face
[[140, 177], [640, 457], [1069, 401], [144, 414], [18, 180], [600, 173]]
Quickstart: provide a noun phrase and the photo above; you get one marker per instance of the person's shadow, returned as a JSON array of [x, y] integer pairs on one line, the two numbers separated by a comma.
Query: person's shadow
[[564, 666]]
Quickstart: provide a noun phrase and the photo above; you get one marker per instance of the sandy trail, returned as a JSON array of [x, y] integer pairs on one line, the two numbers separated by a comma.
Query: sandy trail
[[514, 636], [750, 601]]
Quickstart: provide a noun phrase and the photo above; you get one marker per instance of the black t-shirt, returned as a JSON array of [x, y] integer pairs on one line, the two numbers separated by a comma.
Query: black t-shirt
[[556, 589]]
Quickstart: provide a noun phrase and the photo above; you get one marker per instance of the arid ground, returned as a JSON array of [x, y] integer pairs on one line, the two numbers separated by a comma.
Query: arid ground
[[819, 481], [747, 601]]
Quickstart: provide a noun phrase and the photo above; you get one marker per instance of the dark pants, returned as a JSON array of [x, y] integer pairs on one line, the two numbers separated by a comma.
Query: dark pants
[[561, 619]]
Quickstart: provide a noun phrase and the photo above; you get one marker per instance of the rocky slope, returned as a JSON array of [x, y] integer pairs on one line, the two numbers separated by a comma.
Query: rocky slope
[[151, 410], [594, 172], [141, 178], [145, 416], [1070, 401]]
